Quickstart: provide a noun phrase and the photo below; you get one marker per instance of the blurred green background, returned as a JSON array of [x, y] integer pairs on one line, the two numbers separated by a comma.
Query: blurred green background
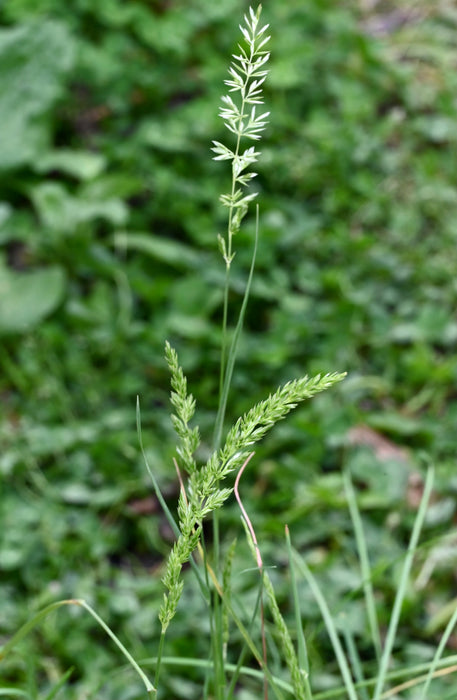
[[109, 217]]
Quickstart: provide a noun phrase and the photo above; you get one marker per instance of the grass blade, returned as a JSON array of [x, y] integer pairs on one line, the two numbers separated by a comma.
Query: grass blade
[[364, 562], [184, 661], [443, 667], [438, 654], [354, 658], [158, 493], [401, 592], [330, 625], [57, 688], [302, 649], [149, 687]]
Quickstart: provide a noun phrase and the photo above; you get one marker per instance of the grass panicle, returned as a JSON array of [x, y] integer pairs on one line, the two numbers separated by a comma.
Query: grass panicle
[[254, 425], [247, 75], [203, 495], [184, 405]]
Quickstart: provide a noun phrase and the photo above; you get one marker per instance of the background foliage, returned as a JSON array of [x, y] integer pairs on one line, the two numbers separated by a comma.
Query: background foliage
[[108, 226]]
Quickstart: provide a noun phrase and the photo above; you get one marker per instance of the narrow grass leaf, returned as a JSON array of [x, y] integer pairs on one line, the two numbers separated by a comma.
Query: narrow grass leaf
[[438, 654], [401, 592], [330, 625], [354, 658], [58, 686], [189, 662], [150, 689], [364, 562], [29, 626], [419, 673], [158, 493]]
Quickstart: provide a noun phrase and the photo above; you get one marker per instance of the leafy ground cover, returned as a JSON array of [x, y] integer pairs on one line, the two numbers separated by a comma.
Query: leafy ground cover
[[108, 231]]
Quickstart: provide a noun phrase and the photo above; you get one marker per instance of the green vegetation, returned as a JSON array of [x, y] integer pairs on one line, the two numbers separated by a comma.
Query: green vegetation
[[109, 225]]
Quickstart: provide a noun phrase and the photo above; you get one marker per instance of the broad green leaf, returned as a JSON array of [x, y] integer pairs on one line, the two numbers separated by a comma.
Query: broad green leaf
[[61, 211], [81, 164], [28, 297], [34, 60], [164, 249]]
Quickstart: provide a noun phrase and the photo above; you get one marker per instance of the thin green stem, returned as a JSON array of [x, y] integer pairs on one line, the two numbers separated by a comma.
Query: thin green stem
[[239, 667], [159, 659], [228, 263], [209, 674], [218, 650], [219, 424], [224, 345]]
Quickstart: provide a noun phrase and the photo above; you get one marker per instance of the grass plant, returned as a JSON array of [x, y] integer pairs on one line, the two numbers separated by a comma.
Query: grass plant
[[207, 483]]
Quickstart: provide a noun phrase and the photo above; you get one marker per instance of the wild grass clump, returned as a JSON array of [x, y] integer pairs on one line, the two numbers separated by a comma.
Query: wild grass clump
[[207, 484]]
